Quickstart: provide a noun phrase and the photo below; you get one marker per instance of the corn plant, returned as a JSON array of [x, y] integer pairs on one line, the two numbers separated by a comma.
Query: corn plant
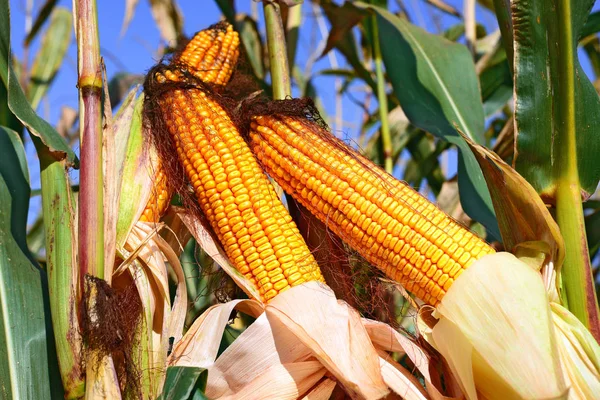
[[222, 242]]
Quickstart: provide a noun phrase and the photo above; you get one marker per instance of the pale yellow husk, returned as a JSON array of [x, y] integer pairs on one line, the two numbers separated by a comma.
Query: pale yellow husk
[[298, 340], [504, 339]]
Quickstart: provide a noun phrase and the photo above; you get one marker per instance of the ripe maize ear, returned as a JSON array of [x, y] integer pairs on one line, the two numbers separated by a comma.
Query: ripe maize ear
[[210, 56], [160, 197], [235, 195], [385, 220]]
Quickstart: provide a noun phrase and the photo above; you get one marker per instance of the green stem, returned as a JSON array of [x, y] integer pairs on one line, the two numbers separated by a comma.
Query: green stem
[[386, 137], [576, 272], [280, 73], [91, 179]]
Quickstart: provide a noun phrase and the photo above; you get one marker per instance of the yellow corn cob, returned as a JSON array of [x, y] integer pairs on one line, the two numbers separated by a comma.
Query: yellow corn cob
[[211, 56], [160, 197], [385, 220], [252, 224]]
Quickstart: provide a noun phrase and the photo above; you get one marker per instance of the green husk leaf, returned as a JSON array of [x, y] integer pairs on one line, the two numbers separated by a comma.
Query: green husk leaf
[[58, 210], [137, 178]]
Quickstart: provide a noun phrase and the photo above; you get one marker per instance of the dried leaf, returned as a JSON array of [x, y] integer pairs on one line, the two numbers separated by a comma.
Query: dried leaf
[[524, 219], [168, 19], [322, 391], [349, 354], [130, 6]]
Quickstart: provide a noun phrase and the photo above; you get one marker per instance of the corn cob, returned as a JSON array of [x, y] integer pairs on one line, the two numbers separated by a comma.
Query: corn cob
[[210, 56], [239, 202], [159, 197], [385, 220]]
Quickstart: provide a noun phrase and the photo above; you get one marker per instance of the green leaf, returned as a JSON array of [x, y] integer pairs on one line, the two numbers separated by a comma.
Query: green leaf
[[592, 228], [342, 39], [7, 118], [592, 25], [591, 46], [52, 52], [120, 85], [496, 87], [41, 18], [227, 9], [435, 82], [250, 37], [168, 19], [12, 155], [184, 383], [537, 79], [28, 368], [17, 102]]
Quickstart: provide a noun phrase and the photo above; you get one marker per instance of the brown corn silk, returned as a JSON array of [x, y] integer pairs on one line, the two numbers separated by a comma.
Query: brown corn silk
[[386, 221], [231, 190], [210, 56]]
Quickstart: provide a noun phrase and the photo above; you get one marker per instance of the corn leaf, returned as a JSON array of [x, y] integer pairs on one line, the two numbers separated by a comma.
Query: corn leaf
[[250, 38], [540, 136], [130, 6], [496, 87], [184, 383], [227, 9], [17, 102], [524, 219], [13, 165], [168, 19], [45, 11], [52, 51], [592, 25], [592, 228], [28, 366], [435, 82]]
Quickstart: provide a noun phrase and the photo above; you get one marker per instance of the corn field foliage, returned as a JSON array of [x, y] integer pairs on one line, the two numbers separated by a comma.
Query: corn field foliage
[[499, 128]]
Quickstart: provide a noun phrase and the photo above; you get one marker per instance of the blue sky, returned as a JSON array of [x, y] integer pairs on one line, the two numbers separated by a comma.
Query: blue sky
[[134, 51]]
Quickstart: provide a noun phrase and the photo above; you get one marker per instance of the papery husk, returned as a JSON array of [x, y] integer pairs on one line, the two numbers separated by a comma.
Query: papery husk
[[101, 380], [301, 336], [147, 257], [579, 354], [322, 391], [496, 332]]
